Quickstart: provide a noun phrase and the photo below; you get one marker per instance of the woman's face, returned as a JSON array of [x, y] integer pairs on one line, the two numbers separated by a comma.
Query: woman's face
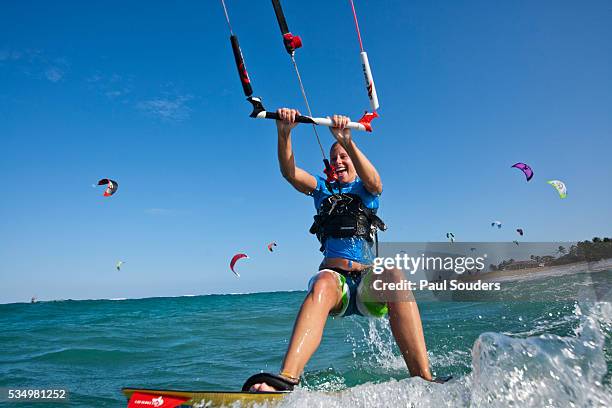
[[342, 162]]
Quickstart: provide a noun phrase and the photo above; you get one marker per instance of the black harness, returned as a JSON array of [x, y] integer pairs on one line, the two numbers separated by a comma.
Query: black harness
[[345, 216]]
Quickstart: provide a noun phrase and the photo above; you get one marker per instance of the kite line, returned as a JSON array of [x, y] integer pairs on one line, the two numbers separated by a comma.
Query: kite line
[[365, 64], [291, 43]]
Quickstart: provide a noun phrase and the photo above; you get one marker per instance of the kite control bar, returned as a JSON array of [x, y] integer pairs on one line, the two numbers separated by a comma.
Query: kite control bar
[[260, 112]]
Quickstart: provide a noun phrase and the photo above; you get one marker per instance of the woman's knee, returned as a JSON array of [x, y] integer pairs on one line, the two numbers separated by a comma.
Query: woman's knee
[[326, 282], [325, 288]]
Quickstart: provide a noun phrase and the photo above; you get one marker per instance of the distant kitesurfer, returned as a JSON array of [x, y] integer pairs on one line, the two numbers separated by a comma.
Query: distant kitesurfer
[[346, 225]]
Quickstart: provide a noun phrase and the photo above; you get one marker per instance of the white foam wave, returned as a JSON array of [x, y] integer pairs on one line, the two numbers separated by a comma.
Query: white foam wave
[[543, 370]]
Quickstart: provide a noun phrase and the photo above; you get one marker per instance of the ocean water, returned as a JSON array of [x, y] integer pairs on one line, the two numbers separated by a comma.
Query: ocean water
[[512, 353]]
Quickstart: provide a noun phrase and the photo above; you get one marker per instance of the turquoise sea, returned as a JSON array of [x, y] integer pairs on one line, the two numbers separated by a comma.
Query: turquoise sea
[[512, 353]]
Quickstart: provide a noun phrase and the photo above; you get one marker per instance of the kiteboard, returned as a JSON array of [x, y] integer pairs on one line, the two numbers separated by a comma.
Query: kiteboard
[[141, 398]]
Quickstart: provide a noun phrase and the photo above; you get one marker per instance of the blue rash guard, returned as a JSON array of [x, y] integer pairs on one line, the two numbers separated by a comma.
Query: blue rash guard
[[356, 249]]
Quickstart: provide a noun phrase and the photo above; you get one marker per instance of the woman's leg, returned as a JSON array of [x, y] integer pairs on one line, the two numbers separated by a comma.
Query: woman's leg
[[408, 332], [404, 318], [324, 296]]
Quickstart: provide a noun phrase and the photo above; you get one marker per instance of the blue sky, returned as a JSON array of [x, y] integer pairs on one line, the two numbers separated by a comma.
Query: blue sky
[[147, 94]]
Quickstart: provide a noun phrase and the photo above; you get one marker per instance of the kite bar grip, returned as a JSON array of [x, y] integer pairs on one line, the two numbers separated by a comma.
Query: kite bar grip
[[369, 81], [242, 72], [260, 112]]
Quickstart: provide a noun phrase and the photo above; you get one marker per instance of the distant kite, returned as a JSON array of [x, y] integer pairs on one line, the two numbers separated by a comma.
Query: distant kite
[[497, 224], [525, 168], [559, 186], [111, 186], [520, 231], [450, 236], [235, 259], [118, 266], [271, 245]]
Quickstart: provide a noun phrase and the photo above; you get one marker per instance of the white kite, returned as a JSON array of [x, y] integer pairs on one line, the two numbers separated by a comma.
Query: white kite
[[559, 186]]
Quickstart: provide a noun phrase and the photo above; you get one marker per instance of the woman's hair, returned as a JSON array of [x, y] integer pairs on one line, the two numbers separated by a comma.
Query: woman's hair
[[336, 143]]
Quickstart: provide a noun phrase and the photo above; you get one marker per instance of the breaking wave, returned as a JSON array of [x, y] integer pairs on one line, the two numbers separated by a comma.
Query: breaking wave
[[542, 370]]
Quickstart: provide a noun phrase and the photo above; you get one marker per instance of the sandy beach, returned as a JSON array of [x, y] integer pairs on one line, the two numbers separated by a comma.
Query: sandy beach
[[540, 272]]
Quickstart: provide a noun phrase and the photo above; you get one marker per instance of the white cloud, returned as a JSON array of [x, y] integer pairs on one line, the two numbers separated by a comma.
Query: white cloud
[[113, 94], [113, 86], [95, 78], [54, 74], [35, 63], [167, 109]]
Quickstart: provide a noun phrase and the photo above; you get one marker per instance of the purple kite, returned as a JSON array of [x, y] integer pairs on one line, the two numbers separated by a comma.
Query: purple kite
[[520, 231], [525, 169]]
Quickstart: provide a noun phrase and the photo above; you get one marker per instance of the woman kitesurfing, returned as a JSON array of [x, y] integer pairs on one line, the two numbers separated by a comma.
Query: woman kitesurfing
[[345, 225]]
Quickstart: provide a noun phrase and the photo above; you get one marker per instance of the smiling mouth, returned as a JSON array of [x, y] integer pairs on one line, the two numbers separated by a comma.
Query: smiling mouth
[[341, 170]]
